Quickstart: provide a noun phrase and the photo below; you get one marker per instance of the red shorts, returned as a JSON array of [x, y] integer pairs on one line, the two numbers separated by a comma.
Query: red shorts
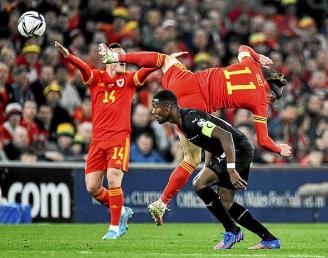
[[109, 154], [185, 86]]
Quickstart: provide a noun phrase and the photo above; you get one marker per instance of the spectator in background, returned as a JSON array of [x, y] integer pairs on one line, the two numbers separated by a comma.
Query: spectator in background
[[29, 155], [6, 91], [176, 151], [284, 126], [20, 143], [43, 120], [70, 98], [46, 77], [52, 94], [30, 59], [28, 120], [141, 122], [85, 131], [83, 112], [142, 150], [21, 86], [14, 115]]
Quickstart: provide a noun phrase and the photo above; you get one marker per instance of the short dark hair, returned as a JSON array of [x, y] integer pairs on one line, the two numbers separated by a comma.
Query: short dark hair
[[276, 81], [115, 45], [165, 96]]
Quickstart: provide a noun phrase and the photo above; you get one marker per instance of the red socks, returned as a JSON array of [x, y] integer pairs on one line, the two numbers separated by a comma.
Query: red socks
[[143, 58], [103, 197], [115, 205], [177, 180]]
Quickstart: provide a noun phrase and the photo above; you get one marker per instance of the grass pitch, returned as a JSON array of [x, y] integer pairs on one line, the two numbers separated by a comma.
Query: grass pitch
[[148, 240]]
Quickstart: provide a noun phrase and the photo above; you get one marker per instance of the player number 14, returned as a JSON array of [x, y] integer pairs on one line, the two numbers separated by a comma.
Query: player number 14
[[231, 88], [109, 96]]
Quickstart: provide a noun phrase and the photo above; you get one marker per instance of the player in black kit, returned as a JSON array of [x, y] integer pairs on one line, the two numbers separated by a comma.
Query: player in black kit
[[228, 167]]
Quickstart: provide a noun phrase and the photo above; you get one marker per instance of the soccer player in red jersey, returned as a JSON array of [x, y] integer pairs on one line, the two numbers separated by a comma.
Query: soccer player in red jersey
[[249, 84], [111, 92]]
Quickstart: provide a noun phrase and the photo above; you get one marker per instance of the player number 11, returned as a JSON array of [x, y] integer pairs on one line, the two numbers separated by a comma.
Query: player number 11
[[109, 97], [230, 87]]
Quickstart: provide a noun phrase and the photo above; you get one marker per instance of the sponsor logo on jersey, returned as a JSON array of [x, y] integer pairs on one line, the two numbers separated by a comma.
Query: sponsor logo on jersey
[[120, 82]]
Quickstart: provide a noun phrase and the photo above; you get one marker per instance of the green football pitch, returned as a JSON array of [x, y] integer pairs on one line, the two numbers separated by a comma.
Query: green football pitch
[[148, 240]]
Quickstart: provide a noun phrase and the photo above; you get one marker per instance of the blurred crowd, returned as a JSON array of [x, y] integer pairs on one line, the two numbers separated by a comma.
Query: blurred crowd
[[45, 109]]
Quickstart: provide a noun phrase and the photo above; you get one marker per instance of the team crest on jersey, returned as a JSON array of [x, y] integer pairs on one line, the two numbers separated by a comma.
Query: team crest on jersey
[[200, 122], [120, 82]]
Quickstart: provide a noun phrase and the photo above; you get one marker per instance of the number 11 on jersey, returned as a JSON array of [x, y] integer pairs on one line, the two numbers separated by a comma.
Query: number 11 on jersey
[[231, 88]]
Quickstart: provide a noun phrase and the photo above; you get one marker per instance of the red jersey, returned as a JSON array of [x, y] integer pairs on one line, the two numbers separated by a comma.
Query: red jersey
[[241, 85], [111, 98]]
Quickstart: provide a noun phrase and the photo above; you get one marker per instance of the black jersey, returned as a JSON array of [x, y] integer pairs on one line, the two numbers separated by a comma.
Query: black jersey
[[192, 124]]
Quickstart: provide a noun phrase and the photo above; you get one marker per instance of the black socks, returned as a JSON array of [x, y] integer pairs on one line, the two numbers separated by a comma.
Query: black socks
[[244, 218], [214, 205]]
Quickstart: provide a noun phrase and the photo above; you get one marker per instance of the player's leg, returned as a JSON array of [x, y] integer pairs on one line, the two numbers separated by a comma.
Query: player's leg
[[240, 214], [117, 163], [202, 185], [95, 172], [114, 178], [178, 178], [94, 186]]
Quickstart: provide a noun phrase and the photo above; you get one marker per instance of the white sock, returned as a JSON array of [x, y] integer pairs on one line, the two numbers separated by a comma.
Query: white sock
[[123, 210], [162, 203], [114, 228]]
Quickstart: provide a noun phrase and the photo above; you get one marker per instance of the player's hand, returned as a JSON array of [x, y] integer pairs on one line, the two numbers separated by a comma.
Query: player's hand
[[286, 150], [178, 54], [63, 50], [265, 61], [236, 180]]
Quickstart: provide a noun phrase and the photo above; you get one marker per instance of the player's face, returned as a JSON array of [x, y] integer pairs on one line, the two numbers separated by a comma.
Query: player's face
[[118, 67], [161, 112]]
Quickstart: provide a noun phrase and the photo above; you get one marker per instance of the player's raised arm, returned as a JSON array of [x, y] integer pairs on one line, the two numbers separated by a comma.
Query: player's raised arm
[[248, 52], [86, 71], [141, 75]]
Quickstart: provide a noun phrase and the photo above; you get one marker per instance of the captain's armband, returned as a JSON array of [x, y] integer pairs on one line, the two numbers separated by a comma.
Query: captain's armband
[[208, 128]]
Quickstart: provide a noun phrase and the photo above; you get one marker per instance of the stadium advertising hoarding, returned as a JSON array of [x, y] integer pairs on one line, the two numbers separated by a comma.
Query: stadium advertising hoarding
[[273, 195], [59, 194], [48, 191]]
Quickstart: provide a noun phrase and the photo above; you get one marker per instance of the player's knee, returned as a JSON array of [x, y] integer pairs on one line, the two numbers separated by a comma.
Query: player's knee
[[226, 202], [92, 188], [114, 178]]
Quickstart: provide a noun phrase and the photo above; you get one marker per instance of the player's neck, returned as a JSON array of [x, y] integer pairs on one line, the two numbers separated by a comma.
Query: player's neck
[[175, 117]]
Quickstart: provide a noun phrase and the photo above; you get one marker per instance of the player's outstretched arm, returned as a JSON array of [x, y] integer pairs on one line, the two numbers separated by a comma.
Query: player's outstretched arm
[[85, 70], [247, 52], [265, 141]]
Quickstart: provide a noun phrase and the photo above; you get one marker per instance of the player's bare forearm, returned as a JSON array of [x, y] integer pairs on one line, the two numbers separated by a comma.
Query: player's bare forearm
[[226, 142]]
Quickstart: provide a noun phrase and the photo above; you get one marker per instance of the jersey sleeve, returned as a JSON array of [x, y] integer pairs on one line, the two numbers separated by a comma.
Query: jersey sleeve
[[247, 53], [261, 127], [87, 73], [141, 75]]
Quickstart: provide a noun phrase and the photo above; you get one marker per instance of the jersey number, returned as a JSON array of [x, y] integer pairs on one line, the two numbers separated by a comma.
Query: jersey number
[[118, 153], [230, 87], [109, 97]]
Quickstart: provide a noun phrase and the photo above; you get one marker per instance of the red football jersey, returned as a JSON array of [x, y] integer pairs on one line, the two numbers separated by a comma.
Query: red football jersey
[[240, 85], [111, 100]]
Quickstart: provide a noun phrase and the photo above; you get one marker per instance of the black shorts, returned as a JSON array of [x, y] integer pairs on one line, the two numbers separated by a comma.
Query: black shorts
[[219, 167]]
